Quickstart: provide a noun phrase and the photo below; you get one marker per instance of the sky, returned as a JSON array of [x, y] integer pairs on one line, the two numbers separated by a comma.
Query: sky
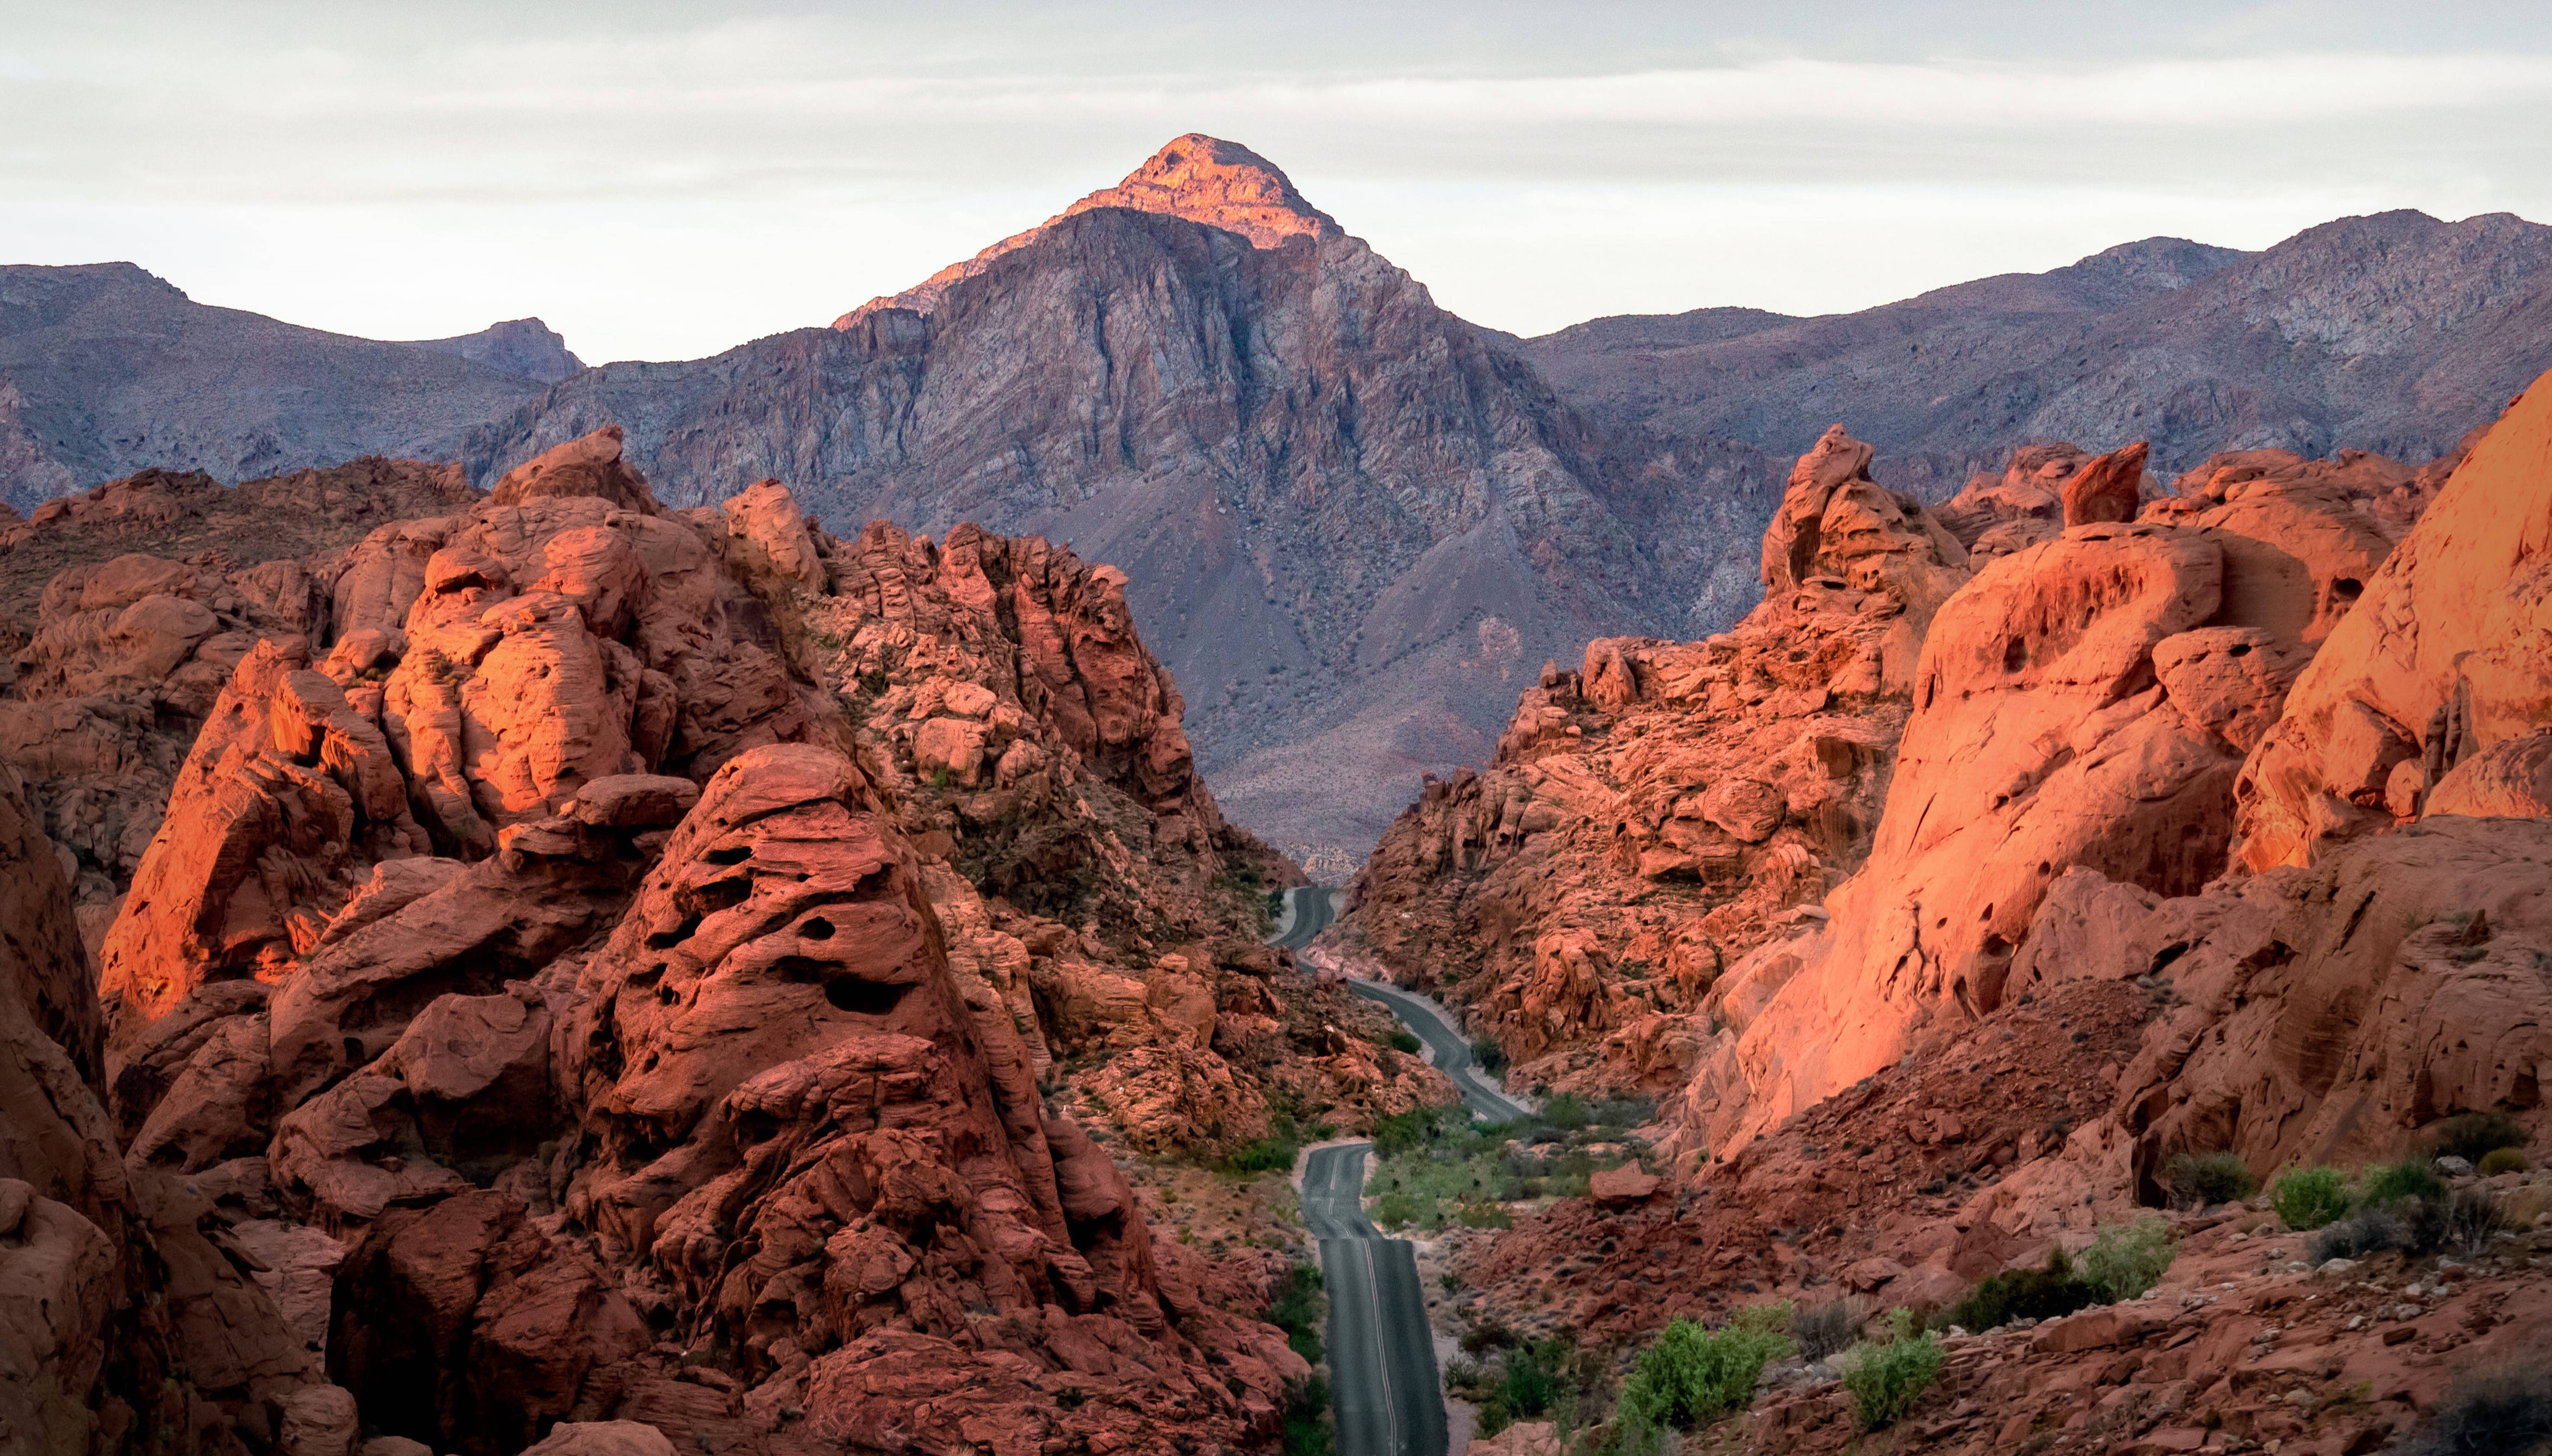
[[666, 181]]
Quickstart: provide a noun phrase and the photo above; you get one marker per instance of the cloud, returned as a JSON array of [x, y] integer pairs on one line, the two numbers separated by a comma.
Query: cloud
[[662, 180]]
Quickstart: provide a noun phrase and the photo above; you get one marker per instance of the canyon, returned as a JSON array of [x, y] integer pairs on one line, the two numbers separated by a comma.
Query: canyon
[[707, 919]]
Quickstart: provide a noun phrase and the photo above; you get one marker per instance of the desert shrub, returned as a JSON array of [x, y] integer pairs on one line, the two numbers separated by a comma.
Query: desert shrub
[[1298, 1309], [2474, 1136], [1488, 1056], [1825, 1329], [1405, 1042], [2506, 1411], [1886, 1376], [2209, 1178], [1267, 1155], [1566, 1113], [2501, 1160], [2472, 1218], [1690, 1375], [1395, 1210], [1528, 1385], [1307, 1420], [2126, 1259], [2370, 1230], [2043, 1293], [1494, 1417], [2309, 1197], [2390, 1182]]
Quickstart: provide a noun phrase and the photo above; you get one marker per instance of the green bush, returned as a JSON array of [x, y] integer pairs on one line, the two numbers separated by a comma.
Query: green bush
[[1395, 1211], [1298, 1309], [1886, 1376], [1307, 1420], [2127, 1259], [2474, 1136], [2309, 1197], [1488, 1056], [2046, 1293], [1527, 1387], [2501, 1160], [1267, 1155], [2209, 1178], [2390, 1182], [1402, 1041], [1690, 1375], [2123, 1260]]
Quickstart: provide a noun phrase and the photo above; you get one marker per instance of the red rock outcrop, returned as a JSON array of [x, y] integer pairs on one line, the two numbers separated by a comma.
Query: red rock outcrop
[[2086, 701], [117, 1313], [1653, 817], [569, 1009], [2444, 656]]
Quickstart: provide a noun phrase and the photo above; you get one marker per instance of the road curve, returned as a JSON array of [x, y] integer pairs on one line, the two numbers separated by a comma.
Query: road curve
[[1453, 1054], [1308, 913], [1309, 909], [1382, 1356]]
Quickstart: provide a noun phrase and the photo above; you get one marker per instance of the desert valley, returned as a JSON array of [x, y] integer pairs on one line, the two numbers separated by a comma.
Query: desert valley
[[1157, 845]]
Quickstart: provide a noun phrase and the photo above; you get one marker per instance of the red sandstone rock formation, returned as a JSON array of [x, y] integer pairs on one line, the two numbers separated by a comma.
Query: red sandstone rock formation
[[1655, 816], [570, 1010], [2439, 670]]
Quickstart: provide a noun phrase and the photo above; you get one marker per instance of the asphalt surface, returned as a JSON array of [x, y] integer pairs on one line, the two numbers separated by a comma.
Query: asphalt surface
[[1382, 1356], [1312, 912], [1453, 1053]]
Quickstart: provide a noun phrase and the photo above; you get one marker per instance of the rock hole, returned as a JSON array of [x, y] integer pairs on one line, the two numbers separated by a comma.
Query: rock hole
[[816, 928], [2238, 650], [865, 997], [731, 855], [2347, 588], [2015, 655], [355, 1050]]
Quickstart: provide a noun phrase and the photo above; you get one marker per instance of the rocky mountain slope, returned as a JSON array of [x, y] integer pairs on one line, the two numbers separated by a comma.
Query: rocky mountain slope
[[2392, 333], [106, 370], [1350, 518], [596, 963]]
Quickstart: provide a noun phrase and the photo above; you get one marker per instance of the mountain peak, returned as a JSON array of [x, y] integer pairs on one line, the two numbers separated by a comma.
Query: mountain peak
[[1221, 184], [1204, 179]]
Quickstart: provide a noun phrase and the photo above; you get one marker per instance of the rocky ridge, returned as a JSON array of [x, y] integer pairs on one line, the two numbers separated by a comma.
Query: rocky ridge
[[605, 964], [106, 370]]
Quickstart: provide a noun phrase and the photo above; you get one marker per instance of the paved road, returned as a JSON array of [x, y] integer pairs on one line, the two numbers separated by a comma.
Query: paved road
[[1312, 913], [1453, 1053], [1312, 910], [1382, 1358]]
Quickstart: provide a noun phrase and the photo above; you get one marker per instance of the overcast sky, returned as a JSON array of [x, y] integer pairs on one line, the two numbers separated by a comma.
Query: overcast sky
[[663, 180]]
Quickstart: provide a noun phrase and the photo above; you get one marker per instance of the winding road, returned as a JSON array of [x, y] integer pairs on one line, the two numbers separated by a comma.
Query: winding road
[[1382, 1356], [1308, 913], [1382, 1359]]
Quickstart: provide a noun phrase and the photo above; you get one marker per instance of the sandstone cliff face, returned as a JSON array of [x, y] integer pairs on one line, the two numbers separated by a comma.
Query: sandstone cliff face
[[1868, 834], [1351, 522], [1653, 817], [605, 964], [118, 1315], [2054, 973]]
